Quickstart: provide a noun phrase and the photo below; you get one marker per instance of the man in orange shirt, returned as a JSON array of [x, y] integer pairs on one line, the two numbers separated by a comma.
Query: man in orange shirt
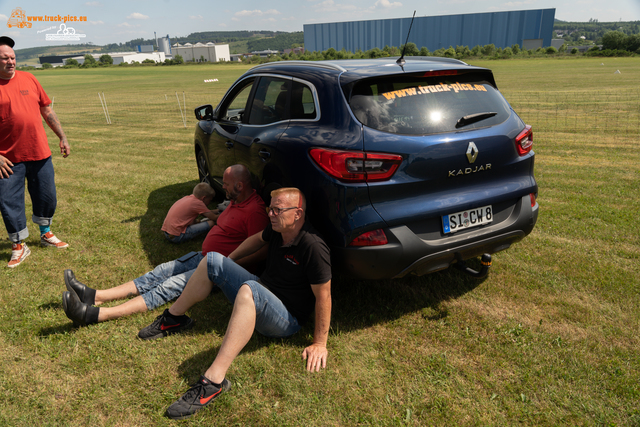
[[25, 154]]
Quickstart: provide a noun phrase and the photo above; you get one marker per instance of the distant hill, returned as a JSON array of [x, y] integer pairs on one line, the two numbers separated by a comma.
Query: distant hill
[[592, 31], [239, 42]]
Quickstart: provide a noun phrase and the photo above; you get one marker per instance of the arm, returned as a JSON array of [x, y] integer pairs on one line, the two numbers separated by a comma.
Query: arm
[[316, 354], [5, 167], [51, 118], [212, 215], [251, 245], [252, 261]]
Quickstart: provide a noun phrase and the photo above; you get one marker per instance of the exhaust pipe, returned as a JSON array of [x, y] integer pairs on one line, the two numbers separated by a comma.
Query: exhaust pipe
[[485, 260]]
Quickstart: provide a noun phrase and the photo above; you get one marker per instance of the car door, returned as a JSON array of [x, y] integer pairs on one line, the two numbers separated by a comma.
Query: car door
[[268, 118], [231, 117]]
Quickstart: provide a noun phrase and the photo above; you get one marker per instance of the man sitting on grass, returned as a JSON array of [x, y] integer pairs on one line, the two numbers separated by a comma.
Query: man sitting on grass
[[297, 280], [244, 217]]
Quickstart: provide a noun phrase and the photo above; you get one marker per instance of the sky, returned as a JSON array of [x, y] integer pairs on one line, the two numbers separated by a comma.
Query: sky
[[116, 21]]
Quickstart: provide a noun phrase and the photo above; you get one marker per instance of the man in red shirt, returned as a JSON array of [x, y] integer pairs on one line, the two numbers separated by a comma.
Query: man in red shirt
[[245, 216], [25, 154]]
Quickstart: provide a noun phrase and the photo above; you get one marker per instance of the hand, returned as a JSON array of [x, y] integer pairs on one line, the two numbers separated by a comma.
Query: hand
[[65, 150], [5, 167], [316, 357]]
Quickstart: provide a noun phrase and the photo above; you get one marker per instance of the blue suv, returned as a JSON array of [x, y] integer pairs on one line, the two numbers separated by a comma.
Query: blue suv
[[408, 169]]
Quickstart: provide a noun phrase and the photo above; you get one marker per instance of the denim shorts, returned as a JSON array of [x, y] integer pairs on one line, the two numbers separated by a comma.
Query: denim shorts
[[191, 232], [167, 281], [272, 317]]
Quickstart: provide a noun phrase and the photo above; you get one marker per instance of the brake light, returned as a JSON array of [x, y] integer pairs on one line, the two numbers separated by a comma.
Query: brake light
[[441, 73], [524, 141], [532, 196], [356, 166], [370, 238]]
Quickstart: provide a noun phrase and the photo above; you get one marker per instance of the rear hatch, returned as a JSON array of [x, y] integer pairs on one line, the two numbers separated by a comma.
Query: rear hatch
[[456, 134]]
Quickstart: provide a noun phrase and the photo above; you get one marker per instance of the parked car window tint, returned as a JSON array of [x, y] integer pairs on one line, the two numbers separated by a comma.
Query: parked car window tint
[[234, 109], [415, 105], [270, 101]]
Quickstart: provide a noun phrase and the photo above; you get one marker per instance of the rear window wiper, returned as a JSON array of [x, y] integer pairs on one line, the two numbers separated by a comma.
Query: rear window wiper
[[472, 118]]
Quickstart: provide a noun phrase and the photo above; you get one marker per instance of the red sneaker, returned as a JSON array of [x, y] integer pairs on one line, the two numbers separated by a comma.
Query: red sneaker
[[19, 251], [49, 239]]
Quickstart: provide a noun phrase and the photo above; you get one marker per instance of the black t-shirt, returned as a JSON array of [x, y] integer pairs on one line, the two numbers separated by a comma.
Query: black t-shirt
[[291, 270]]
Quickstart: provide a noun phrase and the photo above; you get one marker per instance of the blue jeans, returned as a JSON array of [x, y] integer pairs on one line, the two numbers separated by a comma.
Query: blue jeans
[[42, 190], [272, 317], [192, 231], [167, 281]]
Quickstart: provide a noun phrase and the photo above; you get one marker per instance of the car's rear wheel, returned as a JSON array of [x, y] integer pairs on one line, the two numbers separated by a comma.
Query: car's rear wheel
[[203, 168]]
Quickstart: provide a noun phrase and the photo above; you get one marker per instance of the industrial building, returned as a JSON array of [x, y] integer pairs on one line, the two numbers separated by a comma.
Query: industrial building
[[530, 29], [209, 52], [120, 57]]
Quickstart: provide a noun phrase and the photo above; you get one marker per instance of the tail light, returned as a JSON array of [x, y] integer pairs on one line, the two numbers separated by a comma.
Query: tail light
[[524, 141], [370, 238], [356, 166], [532, 196]]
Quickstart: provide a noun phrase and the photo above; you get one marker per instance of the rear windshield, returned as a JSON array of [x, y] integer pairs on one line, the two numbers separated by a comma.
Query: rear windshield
[[417, 105]]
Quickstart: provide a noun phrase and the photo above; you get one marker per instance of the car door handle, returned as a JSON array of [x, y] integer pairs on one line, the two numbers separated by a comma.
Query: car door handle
[[229, 145], [264, 154]]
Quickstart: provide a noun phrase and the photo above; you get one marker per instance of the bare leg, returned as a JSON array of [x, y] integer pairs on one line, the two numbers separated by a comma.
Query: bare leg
[[239, 332], [125, 290], [197, 289], [136, 305]]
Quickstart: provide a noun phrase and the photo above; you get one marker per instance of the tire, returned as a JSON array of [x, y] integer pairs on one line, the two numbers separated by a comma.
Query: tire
[[203, 167]]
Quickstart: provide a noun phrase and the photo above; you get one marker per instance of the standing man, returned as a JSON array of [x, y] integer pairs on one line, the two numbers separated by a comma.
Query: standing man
[[295, 283], [25, 154]]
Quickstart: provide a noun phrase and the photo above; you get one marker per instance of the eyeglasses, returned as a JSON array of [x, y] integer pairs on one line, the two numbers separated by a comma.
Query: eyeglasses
[[277, 211]]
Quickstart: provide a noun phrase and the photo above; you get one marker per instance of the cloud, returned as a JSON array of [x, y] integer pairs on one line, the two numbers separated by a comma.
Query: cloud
[[386, 4], [3, 17], [93, 3], [137, 15], [257, 12], [197, 17], [126, 25], [331, 6], [96, 22]]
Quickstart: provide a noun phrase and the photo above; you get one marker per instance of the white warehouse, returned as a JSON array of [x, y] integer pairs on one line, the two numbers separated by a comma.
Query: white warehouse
[[209, 52]]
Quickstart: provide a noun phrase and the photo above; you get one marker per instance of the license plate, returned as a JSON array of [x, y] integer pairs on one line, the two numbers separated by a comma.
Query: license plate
[[467, 219]]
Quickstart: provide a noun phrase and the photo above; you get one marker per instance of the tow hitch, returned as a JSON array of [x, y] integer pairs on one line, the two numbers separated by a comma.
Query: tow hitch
[[485, 260]]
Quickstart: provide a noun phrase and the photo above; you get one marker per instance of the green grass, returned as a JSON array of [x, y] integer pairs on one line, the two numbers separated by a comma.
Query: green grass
[[549, 338]]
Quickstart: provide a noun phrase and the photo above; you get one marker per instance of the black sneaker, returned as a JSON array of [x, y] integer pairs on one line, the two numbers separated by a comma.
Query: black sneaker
[[166, 324], [197, 397]]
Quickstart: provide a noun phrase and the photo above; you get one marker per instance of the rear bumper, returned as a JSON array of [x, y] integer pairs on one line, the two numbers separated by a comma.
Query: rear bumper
[[406, 253]]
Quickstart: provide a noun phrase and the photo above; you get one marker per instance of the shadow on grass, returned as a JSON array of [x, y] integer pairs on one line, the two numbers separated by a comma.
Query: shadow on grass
[[157, 248], [356, 305]]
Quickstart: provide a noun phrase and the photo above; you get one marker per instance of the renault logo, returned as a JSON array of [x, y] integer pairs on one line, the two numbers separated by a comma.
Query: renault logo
[[472, 152]]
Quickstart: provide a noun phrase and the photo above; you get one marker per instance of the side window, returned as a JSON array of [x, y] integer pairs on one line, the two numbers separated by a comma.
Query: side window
[[270, 103], [234, 109], [303, 105]]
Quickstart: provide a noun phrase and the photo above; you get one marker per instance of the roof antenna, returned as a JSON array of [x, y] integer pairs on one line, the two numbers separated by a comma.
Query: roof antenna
[[401, 60]]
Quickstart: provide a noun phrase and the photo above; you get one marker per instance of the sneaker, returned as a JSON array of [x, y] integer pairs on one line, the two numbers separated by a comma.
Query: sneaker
[[49, 239], [197, 397], [19, 251], [165, 325]]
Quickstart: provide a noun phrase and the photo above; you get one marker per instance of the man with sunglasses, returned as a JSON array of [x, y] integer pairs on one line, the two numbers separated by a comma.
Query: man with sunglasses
[[296, 281]]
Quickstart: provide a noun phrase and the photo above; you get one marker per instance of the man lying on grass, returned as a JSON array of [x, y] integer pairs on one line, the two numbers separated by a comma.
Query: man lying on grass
[[297, 280], [244, 217]]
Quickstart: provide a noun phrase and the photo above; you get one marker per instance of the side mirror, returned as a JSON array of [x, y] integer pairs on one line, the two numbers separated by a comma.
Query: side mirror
[[204, 112]]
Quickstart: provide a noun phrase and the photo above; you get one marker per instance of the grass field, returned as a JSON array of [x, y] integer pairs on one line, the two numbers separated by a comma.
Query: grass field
[[549, 338]]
